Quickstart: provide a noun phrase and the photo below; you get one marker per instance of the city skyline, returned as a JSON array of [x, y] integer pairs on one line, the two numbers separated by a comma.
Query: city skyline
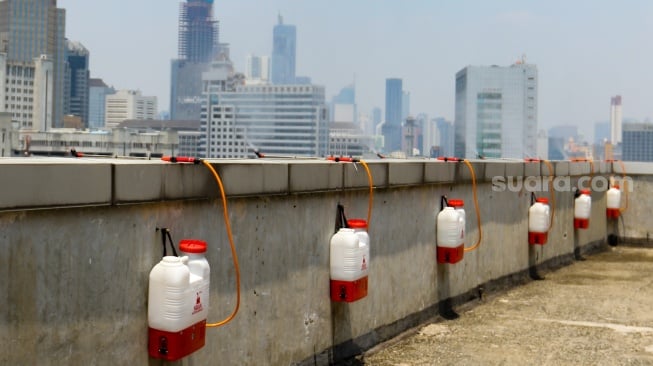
[[585, 51]]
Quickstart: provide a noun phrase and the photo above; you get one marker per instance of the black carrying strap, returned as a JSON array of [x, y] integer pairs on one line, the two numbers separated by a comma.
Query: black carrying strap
[[165, 236], [533, 198], [341, 219], [443, 203]]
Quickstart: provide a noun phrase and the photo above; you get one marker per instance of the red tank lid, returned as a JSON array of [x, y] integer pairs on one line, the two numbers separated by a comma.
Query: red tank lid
[[542, 200], [357, 224], [192, 246], [456, 203], [585, 191]]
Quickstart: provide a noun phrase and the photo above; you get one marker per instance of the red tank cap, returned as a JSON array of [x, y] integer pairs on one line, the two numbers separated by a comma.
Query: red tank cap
[[192, 246], [357, 224], [456, 203], [616, 186], [542, 200], [585, 191]]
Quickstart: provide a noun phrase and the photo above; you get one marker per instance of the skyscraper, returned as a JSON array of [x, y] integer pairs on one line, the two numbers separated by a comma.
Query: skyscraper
[[637, 142], [257, 69], [198, 45], [283, 53], [31, 32], [76, 83], [198, 31], [97, 94], [343, 105], [615, 120], [496, 111], [391, 129]]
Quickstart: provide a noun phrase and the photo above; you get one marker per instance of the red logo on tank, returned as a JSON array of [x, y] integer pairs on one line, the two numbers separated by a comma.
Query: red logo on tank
[[198, 304]]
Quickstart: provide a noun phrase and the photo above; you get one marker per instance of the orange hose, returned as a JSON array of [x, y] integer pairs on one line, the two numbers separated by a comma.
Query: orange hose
[[370, 202], [625, 185], [231, 243], [478, 213], [553, 194]]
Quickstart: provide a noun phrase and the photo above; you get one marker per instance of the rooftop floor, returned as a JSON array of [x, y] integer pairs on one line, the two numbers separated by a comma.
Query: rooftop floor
[[593, 312]]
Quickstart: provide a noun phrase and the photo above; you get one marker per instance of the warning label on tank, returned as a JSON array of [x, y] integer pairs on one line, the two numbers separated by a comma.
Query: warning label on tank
[[198, 304]]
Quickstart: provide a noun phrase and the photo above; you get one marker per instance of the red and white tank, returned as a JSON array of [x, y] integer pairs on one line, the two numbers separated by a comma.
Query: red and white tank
[[614, 202], [582, 210], [450, 238], [349, 262], [178, 302], [539, 218]]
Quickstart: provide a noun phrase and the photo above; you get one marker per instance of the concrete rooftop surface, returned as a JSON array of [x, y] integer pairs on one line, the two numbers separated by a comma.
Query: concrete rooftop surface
[[593, 312]]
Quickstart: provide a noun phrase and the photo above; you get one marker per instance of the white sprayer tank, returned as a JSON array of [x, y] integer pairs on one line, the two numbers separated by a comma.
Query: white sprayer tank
[[539, 218], [582, 209], [349, 262], [178, 302], [614, 202], [450, 236]]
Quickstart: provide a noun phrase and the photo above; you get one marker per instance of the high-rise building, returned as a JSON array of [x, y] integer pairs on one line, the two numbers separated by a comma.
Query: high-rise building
[[289, 120], [343, 105], [27, 92], [198, 31], [32, 30], [601, 132], [257, 69], [393, 114], [616, 120], [284, 42], [198, 46], [496, 111], [377, 117], [128, 104], [97, 98], [405, 105], [637, 142], [437, 136], [76, 85]]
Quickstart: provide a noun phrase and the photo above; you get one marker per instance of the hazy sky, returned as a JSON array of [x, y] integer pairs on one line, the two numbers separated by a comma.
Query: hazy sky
[[585, 51]]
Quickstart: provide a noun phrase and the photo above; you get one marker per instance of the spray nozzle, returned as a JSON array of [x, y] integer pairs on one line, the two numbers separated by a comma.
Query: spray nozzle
[[181, 159]]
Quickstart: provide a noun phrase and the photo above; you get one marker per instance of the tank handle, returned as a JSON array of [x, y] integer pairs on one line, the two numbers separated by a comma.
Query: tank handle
[[165, 236]]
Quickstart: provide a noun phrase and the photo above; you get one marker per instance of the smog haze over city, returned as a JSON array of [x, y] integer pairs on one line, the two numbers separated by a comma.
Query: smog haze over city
[[585, 51]]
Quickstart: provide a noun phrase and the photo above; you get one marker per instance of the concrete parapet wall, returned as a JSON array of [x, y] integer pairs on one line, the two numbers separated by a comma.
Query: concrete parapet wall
[[79, 238]]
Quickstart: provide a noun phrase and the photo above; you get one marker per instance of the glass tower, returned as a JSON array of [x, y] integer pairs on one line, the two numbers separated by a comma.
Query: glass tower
[[394, 97], [283, 53]]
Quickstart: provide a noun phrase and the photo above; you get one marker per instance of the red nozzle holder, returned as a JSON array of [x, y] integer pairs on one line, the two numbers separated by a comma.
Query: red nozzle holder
[[448, 158], [341, 159], [180, 159]]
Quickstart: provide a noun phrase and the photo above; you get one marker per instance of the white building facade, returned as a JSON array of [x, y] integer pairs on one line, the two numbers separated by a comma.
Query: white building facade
[[289, 120], [616, 120], [496, 111], [128, 104], [27, 92]]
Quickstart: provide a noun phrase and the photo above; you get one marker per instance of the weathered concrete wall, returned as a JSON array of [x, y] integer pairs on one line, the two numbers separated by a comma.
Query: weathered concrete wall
[[74, 268]]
